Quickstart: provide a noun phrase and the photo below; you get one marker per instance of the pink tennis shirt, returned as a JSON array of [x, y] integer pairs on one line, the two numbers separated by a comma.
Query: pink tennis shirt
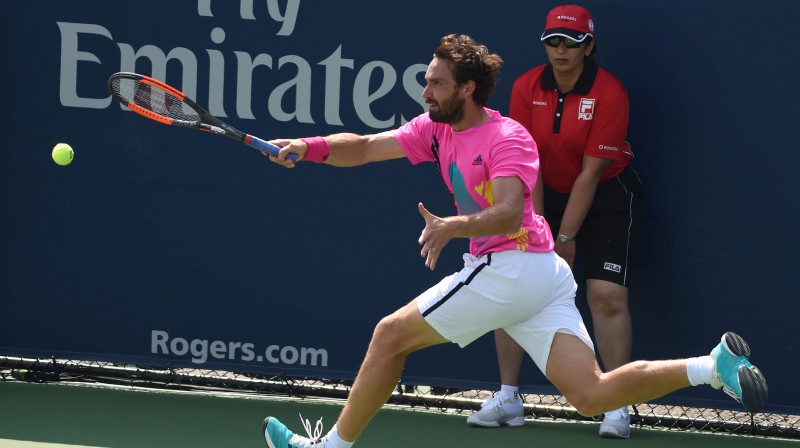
[[469, 160]]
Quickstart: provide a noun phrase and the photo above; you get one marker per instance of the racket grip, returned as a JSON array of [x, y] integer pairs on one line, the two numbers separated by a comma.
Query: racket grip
[[261, 145]]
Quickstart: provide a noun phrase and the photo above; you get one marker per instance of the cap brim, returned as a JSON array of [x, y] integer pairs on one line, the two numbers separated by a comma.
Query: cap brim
[[566, 32]]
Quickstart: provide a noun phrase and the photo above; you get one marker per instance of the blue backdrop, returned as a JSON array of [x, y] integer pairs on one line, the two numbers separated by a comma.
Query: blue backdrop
[[159, 244]]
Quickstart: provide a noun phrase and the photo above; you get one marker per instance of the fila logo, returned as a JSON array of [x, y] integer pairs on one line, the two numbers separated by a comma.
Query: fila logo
[[612, 267], [478, 160], [586, 109]]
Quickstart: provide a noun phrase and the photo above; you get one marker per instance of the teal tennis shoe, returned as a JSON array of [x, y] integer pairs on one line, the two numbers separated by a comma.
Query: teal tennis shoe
[[734, 373], [278, 435]]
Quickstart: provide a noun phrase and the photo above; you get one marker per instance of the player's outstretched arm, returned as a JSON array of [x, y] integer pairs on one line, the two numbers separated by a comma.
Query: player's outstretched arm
[[342, 150]]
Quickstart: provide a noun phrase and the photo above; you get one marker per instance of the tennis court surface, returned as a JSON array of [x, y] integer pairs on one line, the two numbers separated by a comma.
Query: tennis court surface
[[65, 415]]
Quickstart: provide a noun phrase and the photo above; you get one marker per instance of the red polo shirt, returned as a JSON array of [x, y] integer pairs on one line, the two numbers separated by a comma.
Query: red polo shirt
[[591, 120]]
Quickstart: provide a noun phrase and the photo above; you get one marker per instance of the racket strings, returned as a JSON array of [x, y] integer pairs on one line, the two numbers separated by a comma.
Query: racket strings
[[153, 99]]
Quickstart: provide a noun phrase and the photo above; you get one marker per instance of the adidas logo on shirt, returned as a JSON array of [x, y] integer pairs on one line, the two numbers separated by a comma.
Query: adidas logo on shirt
[[478, 160]]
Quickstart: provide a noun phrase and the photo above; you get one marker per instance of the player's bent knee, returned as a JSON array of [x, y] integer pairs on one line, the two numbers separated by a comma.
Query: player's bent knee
[[403, 332], [583, 402], [386, 332], [392, 336], [586, 408], [586, 398]]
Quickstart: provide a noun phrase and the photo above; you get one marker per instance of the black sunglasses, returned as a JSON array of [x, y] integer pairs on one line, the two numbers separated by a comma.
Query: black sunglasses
[[556, 41]]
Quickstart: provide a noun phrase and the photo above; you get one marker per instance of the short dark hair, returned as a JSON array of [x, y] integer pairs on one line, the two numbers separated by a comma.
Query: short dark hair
[[471, 62]]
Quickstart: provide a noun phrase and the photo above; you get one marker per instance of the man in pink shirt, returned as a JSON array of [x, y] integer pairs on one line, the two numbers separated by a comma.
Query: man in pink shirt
[[511, 278]]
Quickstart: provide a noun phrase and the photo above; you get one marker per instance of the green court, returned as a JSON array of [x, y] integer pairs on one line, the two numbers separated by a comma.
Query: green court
[[60, 415]]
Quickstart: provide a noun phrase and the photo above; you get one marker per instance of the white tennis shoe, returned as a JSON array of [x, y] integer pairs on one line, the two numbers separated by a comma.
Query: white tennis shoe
[[499, 411], [616, 424]]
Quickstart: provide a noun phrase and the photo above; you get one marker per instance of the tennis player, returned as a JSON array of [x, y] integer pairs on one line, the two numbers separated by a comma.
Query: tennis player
[[511, 278]]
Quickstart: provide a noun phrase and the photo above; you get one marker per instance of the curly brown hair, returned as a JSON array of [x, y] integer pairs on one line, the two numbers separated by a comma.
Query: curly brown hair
[[471, 62]]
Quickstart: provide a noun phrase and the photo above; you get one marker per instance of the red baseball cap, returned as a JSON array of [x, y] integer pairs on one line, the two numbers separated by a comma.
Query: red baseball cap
[[571, 21]]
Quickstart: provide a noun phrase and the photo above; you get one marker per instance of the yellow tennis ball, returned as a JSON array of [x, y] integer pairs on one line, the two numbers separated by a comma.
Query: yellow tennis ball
[[63, 154]]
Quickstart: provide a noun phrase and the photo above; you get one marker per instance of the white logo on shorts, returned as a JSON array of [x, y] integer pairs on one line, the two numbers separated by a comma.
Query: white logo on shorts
[[612, 267]]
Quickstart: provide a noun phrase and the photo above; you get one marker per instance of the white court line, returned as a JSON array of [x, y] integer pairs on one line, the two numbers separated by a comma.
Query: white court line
[[8, 443]]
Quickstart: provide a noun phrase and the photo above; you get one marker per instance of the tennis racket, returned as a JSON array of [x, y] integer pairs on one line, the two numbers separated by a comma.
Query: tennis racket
[[158, 101]]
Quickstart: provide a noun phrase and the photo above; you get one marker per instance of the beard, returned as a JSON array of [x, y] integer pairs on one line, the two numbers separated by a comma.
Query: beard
[[449, 112]]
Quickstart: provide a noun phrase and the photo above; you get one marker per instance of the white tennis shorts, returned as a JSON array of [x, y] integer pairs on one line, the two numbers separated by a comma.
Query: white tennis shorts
[[530, 295]]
